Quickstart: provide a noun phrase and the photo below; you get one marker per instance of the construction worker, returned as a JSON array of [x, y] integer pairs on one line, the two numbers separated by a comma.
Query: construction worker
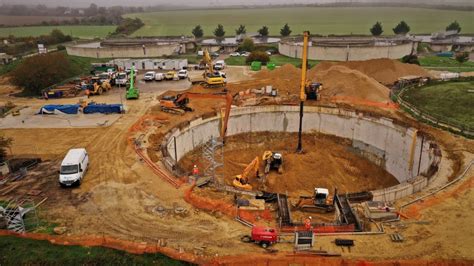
[[307, 223], [195, 171]]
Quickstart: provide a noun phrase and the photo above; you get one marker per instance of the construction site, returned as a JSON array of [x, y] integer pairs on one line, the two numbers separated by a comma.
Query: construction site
[[318, 166]]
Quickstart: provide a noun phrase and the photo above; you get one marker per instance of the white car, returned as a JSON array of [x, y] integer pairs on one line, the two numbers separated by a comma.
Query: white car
[[219, 65], [245, 54], [149, 76], [159, 76], [183, 74], [235, 54]]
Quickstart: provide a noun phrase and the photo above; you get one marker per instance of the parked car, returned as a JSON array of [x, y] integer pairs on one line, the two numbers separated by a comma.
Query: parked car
[[159, 76], [214, 55], [170, 75], [219, 65], [234, 54], [183, 74], [245, 54], [150, 76], [73, 167]]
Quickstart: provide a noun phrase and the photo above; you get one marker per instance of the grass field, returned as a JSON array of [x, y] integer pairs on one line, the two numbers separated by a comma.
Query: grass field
[[81, 31], [448, 101], [445, 64], [28, 20], [278, 60], [17, 251], [315, 19]]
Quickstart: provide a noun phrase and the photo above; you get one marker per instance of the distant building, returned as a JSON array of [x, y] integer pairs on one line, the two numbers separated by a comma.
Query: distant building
[[444, 41]]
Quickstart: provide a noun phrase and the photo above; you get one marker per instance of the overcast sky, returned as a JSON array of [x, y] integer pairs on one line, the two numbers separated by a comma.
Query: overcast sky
[[84, 3]]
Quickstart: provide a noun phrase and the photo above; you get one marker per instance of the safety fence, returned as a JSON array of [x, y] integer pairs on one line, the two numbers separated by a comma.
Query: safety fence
[[280, 258], [441, 122], [141, 125]]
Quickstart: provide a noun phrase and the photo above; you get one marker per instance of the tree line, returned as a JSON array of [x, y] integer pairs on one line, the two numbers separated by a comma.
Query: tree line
[[219, 31], [285, 31], [17, 45], [403, 28]]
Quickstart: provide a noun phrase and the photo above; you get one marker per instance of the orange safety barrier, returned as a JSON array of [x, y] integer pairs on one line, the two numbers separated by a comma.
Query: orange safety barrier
[[209, 204], [321, 228], [141, 125], [281, 258]]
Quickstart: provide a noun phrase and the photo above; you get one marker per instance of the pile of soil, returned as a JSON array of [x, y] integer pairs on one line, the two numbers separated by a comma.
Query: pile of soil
[[385, 71], [342, 81], [327, 162]]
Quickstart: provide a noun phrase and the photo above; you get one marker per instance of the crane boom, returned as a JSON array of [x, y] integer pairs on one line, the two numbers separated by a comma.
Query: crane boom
[[299, 149]]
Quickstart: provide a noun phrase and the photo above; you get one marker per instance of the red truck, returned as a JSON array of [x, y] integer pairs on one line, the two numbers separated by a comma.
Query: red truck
[[264, 236]]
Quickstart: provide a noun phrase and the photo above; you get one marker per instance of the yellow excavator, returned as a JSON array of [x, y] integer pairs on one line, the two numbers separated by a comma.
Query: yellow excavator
[[210, 78], [242, 181], [97, 87], [273, 161]]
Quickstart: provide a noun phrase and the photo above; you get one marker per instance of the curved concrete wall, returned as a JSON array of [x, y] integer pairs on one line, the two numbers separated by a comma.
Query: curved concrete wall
[[399, 150], [348, 53], [125, 51]]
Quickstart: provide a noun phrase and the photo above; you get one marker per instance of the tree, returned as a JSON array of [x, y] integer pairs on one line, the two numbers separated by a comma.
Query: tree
[[219, 31], [92, 10], [4, 144], [198, 32], [263, 31], [247, 45], [241, 30], [454, 26], [401, 28], [39, 72], [258, 56], [285, 31], [462, 57], [59, 37], [376, 30]]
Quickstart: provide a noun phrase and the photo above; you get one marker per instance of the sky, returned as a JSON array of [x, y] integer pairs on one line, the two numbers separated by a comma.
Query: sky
[[85, 3]]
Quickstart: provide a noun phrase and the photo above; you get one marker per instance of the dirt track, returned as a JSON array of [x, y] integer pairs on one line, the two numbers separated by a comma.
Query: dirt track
[[119, 194]]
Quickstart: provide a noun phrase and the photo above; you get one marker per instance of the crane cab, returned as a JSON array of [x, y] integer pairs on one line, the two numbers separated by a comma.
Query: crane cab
[[321, 196]]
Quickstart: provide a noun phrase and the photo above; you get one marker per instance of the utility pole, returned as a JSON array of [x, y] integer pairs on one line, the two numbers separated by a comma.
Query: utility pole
[[302, 89]]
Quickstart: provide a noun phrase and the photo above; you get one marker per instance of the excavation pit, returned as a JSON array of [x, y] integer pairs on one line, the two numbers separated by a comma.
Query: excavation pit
[[347, 149]]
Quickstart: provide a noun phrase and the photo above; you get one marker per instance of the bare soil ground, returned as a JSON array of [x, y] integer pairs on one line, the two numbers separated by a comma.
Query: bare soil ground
[[120, 194], [327, 162]]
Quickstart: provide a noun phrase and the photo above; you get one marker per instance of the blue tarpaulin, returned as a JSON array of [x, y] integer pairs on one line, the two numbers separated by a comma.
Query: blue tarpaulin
[[53, 108], [103, 108]]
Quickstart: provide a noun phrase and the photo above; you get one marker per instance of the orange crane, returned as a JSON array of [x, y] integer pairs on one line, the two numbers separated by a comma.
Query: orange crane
[[242, 180], [179, 105]]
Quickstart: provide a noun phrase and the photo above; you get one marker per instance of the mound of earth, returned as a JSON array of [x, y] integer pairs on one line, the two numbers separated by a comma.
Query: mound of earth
[[342, 81], [385, 71]]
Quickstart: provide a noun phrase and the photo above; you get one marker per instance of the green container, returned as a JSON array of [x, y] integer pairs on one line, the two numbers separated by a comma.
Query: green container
[[256, 66], [271, 66]]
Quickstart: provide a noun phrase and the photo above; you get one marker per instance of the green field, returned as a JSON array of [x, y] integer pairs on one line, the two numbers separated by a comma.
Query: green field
[[449, 101], [318, 20], [81, 31], [18, 251], [445, 64]]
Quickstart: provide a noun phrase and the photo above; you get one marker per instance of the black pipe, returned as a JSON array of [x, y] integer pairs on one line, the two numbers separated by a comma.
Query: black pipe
[[300, 146]]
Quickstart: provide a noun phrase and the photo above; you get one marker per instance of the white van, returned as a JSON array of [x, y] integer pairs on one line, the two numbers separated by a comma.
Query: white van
[[73, 167], [219, 65], [159, 76]]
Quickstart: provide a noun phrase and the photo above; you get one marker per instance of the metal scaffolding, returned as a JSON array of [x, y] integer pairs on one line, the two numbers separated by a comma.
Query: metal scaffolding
[[213, 153]]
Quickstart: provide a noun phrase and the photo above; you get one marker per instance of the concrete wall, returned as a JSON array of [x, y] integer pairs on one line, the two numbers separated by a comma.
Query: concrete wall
[[389, 144], [125, 52], [347, 53]]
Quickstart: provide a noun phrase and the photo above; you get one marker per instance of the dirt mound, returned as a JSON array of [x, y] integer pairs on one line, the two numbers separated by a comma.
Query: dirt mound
[[342, 81], [385, 71]]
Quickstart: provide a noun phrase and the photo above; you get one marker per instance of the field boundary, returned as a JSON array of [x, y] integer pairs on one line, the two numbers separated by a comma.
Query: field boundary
[[451, 126]]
